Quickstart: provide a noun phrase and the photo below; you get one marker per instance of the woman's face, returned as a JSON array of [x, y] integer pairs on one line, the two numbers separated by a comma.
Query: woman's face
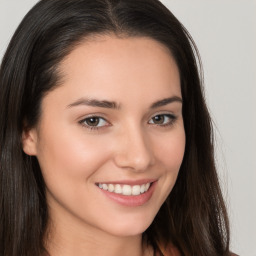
[[111, 140]]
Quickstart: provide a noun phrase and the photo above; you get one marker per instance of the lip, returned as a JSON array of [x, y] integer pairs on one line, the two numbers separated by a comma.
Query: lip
[[131, 201]]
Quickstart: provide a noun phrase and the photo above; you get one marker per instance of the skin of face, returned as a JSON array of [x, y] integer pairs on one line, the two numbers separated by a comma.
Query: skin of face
[[126, 145]]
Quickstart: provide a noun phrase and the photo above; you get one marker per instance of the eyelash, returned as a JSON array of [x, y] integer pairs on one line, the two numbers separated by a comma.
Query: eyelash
[[172, 118]]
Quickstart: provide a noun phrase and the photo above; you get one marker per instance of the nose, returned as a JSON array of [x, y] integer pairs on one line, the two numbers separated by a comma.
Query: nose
[[134, 150]]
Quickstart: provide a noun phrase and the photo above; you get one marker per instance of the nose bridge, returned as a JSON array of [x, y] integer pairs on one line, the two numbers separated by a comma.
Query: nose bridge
[[134, 149]]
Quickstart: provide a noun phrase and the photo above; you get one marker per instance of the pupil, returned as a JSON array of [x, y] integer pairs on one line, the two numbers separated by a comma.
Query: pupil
[[158, 119], [93, 121]]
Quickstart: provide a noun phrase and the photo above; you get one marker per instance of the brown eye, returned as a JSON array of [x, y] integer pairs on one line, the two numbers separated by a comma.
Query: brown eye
[[158, 119], [92, 121], [163, 119]]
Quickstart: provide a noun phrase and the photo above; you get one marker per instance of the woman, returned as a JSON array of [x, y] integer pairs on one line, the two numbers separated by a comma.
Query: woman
[[106, 141]]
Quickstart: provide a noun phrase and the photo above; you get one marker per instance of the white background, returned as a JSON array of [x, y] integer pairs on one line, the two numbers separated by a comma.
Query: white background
[[225, 33]]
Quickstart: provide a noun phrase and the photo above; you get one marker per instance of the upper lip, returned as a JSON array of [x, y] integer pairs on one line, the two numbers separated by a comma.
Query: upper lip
[[128, 182]]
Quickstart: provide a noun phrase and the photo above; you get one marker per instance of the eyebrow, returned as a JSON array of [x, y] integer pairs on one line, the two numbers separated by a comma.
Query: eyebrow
[[166, 101], [114, 105], [95, 103]]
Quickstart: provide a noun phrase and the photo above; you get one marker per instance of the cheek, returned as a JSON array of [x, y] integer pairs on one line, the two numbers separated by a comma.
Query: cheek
[[69, 163], [170, 154], [170, 150], [69, 156]]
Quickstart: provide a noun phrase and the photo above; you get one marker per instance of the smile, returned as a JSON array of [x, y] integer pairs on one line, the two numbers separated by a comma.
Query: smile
[[124, 189]]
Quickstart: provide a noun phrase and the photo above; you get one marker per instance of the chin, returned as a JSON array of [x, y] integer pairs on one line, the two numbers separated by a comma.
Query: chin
[[126, 228]]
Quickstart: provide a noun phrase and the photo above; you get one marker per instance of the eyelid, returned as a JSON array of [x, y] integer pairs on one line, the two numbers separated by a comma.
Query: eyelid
[[164, 113]]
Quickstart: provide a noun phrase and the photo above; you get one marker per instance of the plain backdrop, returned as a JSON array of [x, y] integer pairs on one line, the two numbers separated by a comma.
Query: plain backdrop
[[225, 33]]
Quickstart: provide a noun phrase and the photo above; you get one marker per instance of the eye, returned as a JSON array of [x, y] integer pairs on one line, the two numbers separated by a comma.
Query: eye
[[94, 122], [163, 119]]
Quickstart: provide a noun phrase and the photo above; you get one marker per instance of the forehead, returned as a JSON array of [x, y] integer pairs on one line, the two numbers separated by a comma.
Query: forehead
[[116, 68]]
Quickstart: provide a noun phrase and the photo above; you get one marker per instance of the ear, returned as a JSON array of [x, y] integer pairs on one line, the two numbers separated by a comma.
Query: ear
[[29, 141]]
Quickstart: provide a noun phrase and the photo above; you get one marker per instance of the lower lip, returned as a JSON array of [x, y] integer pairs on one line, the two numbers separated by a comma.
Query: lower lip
[[131, 201]]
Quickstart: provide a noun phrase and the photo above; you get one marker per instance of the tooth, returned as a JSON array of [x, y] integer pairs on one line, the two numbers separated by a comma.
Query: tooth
[[105, 186], [142, 188], [127, 190], [118, 189], [136, 190], [111, 187]]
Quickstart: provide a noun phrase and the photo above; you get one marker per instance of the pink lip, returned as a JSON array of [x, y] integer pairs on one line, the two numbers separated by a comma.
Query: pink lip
[[131, 201]]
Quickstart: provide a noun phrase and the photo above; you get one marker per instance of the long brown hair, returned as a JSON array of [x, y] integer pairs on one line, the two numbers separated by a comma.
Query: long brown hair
[[193, 217]]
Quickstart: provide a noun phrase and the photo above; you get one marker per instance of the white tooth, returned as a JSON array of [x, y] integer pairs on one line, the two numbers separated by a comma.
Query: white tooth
[[136, 190], [142, 188], [111, 187], [127, 190], [118, 189], [147, 186], [105, 186]]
